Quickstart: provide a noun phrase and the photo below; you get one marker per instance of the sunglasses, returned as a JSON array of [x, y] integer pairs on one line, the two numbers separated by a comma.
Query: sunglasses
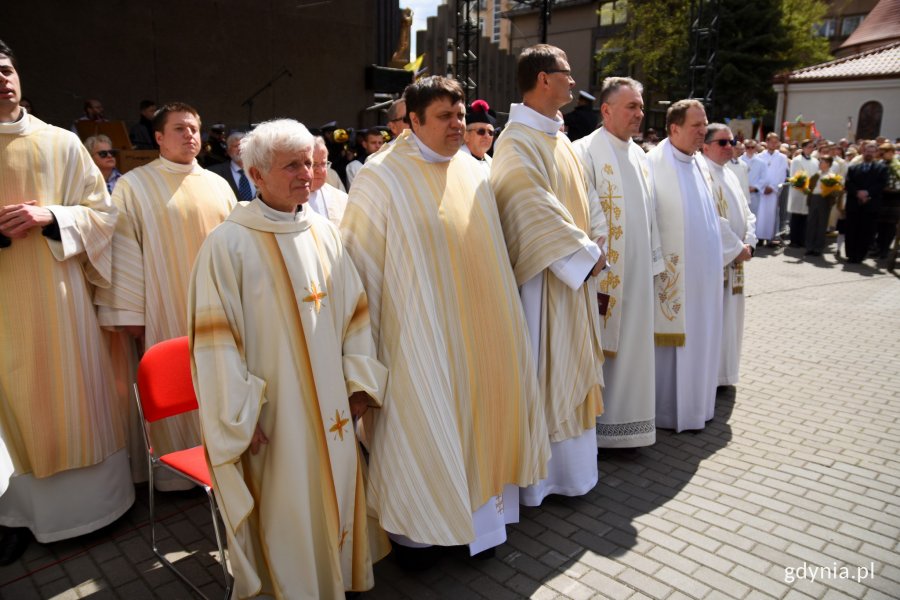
[[106, 153], [484, 131], [724, 143]]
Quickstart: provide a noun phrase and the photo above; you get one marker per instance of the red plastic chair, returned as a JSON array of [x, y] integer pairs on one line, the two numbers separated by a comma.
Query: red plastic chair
[[164, 389]]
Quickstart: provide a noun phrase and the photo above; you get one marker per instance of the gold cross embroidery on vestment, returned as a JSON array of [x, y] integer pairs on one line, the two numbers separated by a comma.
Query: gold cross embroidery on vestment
[[315, 295], [339, 423]]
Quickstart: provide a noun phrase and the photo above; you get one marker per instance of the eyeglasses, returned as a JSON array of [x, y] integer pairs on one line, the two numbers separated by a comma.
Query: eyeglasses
[[724, 143], [484, 131], [322, 165], [566, 72], [106, 153]]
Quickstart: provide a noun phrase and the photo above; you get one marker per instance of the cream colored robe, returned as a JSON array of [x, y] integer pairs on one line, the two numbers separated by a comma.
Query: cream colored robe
[[166, 210], [619, 171], [461, 415], [280, 337], [542, 196], [732, 204], [58, 407], [329, 202]]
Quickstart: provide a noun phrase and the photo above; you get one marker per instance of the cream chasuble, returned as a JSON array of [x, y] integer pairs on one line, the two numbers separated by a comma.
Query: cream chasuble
[[551, 227], [58, 408], [280, 337], [166, 210], [689, 292], [461, 417], [619, 171], [732, 204]]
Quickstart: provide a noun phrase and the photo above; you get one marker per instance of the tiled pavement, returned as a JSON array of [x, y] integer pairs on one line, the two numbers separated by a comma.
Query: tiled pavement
[[798, 469]]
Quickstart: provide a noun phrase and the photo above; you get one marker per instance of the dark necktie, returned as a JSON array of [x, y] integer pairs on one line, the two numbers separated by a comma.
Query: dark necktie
[[244, 187]]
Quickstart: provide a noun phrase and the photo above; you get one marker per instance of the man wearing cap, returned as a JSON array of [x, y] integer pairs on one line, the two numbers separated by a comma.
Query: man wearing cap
[[461, 425], [479, 136], [233, 170], [583, 118], [372, 141], [215, 150]]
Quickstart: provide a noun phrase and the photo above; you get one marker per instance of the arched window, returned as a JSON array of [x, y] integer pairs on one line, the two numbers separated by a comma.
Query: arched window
[[869, 124]]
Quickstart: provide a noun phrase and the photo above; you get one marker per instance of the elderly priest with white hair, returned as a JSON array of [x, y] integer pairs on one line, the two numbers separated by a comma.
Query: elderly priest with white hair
[[283, 363]]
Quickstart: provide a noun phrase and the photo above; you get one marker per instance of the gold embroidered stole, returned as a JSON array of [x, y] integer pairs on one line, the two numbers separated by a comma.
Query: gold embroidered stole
[[736, 268]]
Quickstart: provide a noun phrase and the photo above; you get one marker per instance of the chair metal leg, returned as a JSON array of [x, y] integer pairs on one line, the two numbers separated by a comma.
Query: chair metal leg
[[165, 561], [214, 513]]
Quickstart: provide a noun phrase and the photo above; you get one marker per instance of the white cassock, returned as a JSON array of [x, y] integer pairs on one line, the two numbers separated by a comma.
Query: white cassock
[[774, 168], [329, 202], [687, 375], [353, 168], [797, 198], [741, 230], [619, 173], [754, 173], [742, 171], [484, 161]]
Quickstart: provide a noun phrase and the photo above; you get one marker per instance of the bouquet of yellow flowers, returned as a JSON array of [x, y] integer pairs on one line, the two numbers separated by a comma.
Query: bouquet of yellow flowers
[[831, 183], [799, 181]]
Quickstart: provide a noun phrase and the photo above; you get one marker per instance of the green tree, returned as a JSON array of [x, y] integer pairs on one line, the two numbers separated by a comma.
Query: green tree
[[757, 40], [752, 46], [799, 18], [654, 43]]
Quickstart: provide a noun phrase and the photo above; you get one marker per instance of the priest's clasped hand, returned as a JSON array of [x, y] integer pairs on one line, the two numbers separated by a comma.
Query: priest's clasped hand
[[746, 254], [16, 220], [359, 403], [259, 438]]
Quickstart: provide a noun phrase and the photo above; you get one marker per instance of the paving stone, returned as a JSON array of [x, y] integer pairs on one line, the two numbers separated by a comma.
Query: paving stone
[[799, 466]]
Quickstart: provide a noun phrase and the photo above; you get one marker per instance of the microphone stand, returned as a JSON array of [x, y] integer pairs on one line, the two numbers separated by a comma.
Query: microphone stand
[[249, 101]]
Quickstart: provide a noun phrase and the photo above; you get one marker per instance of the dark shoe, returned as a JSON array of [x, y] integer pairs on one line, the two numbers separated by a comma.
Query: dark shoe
[[13, 544], [485, 554], [416, 559]]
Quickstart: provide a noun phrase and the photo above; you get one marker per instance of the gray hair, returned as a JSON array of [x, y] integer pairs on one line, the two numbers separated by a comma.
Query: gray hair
[[712, 129], [319, 143], [259, 146], [611, 85], [394, 110], [92, 142], [235, 135]]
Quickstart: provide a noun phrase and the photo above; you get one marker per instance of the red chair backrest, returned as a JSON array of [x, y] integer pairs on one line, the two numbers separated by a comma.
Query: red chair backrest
[[164, 380]]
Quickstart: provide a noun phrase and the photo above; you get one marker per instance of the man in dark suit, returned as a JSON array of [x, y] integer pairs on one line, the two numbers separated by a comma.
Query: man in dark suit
[[233, 170], [865, 186], [582, 120]]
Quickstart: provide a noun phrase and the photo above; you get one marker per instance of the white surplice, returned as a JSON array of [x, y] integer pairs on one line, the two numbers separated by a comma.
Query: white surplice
[[687, 376]]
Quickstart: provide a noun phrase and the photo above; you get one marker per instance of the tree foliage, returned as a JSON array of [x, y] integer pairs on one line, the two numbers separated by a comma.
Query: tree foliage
[[757, 40], [655, 42]]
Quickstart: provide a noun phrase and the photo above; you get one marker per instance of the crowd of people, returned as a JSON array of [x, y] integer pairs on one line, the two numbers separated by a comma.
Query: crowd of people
[[401, 366]]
